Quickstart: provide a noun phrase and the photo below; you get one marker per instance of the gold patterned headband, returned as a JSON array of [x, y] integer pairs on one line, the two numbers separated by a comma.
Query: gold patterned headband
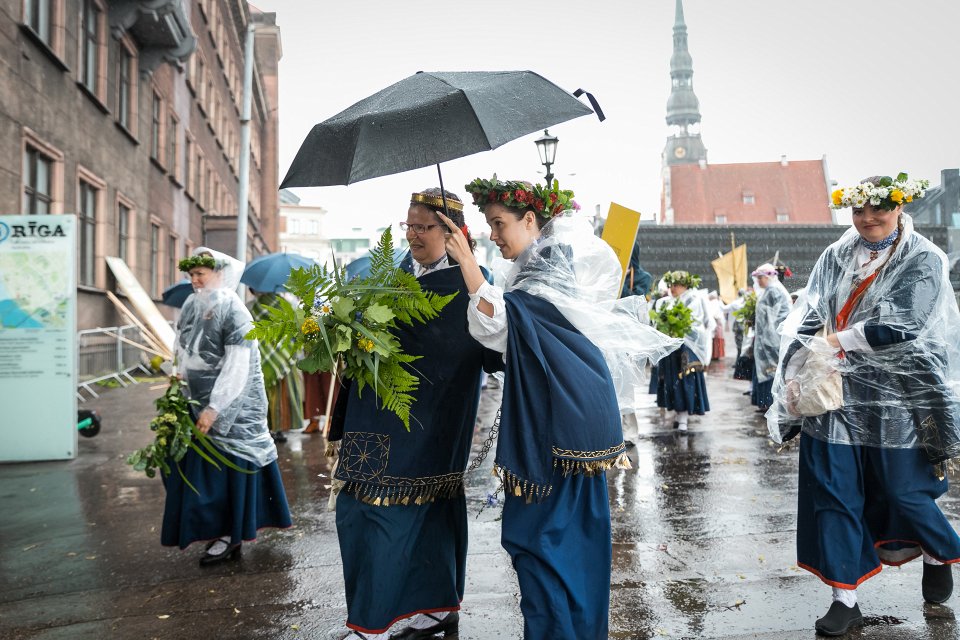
[[436, 201]]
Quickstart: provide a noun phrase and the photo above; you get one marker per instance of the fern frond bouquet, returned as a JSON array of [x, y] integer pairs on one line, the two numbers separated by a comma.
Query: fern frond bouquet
[[346, 326], [674, 320], [748, 312]]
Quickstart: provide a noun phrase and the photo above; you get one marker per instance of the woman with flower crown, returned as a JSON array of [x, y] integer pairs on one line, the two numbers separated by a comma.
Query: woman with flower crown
[[868, 376], [682, 385], [222, 371], [571, 351]]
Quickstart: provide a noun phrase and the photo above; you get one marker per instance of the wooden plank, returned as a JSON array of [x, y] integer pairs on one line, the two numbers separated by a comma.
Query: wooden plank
[[142, 303]]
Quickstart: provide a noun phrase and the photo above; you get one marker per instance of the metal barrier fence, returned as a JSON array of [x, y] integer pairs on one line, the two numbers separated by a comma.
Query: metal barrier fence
[[108, 353]]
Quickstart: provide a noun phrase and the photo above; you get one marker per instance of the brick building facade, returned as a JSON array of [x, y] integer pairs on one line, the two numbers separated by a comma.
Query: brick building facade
[[127, 113]]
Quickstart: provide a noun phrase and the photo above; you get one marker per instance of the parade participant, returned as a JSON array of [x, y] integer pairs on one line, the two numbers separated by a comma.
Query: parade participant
[[715, 307], [402, 514], [569, 346], [683, 388], [868, 375], [282, 379], [773, 305], [221, 369]]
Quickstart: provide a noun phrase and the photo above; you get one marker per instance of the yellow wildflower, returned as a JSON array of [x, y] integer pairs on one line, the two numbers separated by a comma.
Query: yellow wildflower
[[908, 198], [366, 344], [837, 197], [310, 327], [896, 195]]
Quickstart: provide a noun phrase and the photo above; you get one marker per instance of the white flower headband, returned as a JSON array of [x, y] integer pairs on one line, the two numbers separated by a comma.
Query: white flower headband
[[889, 194]]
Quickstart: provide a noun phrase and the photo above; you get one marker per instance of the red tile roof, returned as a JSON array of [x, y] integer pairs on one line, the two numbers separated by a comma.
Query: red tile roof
[[797, 188]]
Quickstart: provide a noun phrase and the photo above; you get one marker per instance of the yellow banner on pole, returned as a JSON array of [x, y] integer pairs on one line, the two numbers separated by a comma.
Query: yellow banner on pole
[[731, 270], [620, 232]]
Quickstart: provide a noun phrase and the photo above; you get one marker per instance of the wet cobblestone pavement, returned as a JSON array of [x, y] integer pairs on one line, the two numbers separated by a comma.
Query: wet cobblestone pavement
[[703, 545]]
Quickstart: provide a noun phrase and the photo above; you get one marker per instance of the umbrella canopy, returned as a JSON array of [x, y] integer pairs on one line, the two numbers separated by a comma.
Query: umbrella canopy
[[360, 268], [427, 119], [268, 273], [175, 295]]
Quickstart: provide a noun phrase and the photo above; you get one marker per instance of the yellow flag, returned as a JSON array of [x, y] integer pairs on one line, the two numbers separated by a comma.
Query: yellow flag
[[731, 270], [620, 232]]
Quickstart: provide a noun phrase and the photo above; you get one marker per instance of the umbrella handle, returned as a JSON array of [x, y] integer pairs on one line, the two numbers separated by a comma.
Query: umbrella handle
[[443, 193], [593, 103]]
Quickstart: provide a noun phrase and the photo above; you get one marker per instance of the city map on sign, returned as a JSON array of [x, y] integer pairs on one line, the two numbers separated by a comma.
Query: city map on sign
[[34, 290]]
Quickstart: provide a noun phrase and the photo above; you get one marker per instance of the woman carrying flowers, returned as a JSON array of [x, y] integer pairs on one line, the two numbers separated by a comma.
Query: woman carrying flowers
[[683, 388], [880, 311], [570, 349], [402, 513], [222, 372]]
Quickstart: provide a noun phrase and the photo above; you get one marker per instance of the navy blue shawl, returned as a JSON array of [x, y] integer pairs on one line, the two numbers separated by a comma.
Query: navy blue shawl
[[559, 404]]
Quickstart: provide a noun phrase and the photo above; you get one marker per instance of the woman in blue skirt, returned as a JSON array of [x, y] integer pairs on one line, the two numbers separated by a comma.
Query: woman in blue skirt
[[221, 369], [573, 355], [683, 388], [869, 378], [773, 305]]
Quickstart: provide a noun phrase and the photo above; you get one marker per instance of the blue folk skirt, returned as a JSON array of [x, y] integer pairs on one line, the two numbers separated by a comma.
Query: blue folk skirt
[[230, 503], [399, 561], [561, 550], [761, 393], [860, 507], [654, 380], [688, 393]]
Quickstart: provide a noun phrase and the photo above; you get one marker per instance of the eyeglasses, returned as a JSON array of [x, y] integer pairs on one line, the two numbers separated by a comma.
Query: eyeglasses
[[418, 229]]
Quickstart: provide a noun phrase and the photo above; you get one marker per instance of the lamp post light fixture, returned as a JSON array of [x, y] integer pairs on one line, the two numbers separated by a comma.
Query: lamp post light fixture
[[547, 148]]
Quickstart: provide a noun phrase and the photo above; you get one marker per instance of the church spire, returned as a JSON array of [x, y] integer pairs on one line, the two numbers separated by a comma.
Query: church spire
[[683, 108]]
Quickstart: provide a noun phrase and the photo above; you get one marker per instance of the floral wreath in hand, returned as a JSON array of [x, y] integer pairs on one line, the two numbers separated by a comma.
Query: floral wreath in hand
[[197, 261], [685, 278], [515, 194], [885, 193]]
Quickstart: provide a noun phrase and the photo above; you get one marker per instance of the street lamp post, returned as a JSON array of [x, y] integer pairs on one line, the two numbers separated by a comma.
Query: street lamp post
[[547, 148]]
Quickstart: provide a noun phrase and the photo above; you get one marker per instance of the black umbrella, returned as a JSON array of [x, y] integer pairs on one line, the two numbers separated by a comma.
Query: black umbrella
[[427, 119]]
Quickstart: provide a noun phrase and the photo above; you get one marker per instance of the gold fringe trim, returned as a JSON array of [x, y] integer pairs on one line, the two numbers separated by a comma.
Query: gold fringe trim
[[533, 492], [697, 368], [392, 496]]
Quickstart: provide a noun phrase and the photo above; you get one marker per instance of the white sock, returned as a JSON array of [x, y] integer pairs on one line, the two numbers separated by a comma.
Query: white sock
[[219, 546], [683, 417], [847, 596], [930, 559], [423, 621], [370, 636]]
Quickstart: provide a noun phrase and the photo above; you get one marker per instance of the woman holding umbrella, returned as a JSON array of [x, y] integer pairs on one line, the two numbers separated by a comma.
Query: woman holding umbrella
[[402, 515], [567, 355], [869, 378]]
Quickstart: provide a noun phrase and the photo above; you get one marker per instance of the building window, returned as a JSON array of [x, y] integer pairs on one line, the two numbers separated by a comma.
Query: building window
[[720, 219], [154, 258], [156, 126], [173, 146], [188, 168], [37, 182], [90, 52], [173, 274], [748, 197], [39, 16], [87, 221], [123, 232], [127, 86]]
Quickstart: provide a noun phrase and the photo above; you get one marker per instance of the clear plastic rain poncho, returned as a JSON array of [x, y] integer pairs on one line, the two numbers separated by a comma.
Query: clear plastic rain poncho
[[773, 305], [579, 274], [221, 367], [901, 391], [699, 338]]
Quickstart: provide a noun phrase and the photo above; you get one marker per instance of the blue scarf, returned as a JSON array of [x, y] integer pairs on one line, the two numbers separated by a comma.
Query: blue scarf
[[559, 405]]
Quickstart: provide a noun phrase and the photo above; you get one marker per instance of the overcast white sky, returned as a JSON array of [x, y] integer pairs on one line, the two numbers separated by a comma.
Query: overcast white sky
[[871, 84]]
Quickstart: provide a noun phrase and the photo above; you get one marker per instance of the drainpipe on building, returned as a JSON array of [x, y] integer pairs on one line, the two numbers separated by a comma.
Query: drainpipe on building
[[244, 186]]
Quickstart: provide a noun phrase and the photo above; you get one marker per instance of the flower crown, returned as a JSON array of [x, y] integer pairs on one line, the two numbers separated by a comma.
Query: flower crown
[[197, 261], [547, 202], [689, 280], [889, 194]]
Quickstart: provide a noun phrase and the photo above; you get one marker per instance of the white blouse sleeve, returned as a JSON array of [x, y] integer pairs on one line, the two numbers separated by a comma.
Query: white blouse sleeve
[[489, 331], [854, 338], [234, 372]]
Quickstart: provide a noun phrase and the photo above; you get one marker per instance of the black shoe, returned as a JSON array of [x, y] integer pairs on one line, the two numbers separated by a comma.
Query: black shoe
[[628, 444], [937, 582], [762, 409], [278, 436], [839, 619], [449, 626], [746, 393], [232, 552]]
